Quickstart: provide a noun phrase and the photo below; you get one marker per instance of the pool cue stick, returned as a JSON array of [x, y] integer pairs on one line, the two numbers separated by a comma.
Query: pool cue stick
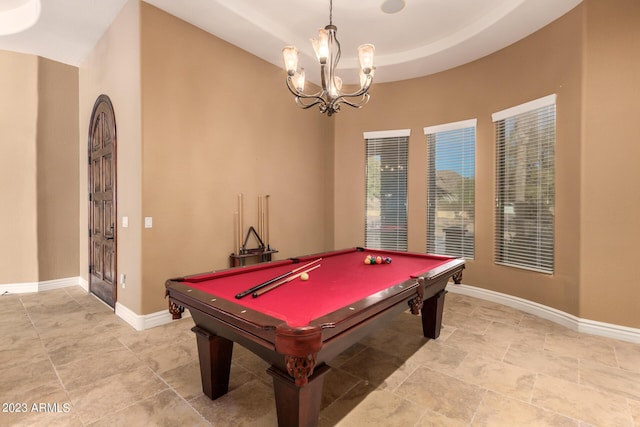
[[275, 279], [262, 219], [235, 228], [266, 232], [240, 222], [282, 282]]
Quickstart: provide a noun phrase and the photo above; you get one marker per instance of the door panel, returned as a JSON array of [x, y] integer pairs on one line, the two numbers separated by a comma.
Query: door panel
[[102, 206]]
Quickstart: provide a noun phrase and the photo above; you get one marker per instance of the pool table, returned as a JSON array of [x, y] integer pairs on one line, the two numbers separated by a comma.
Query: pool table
[[301, 325]]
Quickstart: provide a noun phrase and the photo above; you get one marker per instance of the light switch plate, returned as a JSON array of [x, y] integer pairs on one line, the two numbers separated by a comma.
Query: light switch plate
[[148, 222]]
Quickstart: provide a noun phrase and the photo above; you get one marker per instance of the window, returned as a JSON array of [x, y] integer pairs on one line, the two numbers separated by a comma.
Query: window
[[525, 185], [386, 189], [451, 154]]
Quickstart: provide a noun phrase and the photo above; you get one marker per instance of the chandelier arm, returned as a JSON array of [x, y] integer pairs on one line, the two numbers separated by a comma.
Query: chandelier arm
[[354, 94], [343, 100], [300, 97], [297, 93], [318, 101]]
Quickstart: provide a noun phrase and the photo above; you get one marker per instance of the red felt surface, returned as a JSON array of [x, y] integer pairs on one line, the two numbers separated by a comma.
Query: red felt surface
[[342, 279]]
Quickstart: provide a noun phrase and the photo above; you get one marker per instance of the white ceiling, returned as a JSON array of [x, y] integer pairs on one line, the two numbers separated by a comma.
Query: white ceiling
[[426, 37]]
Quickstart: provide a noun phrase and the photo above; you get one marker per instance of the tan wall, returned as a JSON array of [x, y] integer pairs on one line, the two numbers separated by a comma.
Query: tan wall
[[18, 183], [217, 122], [610, 219], [547, 62], [57, 170], [113, 68], [38, 169]]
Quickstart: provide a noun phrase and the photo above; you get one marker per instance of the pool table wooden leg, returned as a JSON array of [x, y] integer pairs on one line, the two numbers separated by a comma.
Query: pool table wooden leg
[[298, 406], [214, 353], [432, 315]]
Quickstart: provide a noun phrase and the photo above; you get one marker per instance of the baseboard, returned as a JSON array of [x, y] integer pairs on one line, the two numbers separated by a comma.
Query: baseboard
[[47, 285], [570, 321], [140, 322]]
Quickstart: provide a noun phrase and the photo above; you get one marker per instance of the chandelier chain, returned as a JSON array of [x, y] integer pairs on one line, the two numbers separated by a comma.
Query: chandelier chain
[[330, 12]]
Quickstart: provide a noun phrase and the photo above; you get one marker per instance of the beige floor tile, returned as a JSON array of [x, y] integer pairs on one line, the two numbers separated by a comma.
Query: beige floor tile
[[442, 393], [581, 402], [185, 380], [497, 376], [582, 346], [615, 380], [546, 362], [347, 354], [40, 419], [529, 321], [400, 344], [163, 409], [500, 411], [336, 383], [19, 321], [170, 333], [164, 357], [22, 379], [634, 408], [435, 419], [438, 356], [110, 373], [251, 405], [251, 363], [10, 304], [445, 332], [52, 298], [57, 406], [340, 408], [477, 344], [466, 322], [70, 348], [501, 332], [379, 368], [460, 304], [14, 348], [86, 371], [93, 401], [498, 313], [380, 407], [628, 355]]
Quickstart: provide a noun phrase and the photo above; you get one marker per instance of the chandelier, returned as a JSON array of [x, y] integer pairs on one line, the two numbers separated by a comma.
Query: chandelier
[[327, 49]]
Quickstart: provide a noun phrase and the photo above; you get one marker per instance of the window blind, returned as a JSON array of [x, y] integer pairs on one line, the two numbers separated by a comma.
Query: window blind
[[525, 185], [386, 191], [451, 188]]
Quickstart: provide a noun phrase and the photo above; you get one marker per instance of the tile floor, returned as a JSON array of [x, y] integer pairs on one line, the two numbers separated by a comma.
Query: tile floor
[[67, 353]]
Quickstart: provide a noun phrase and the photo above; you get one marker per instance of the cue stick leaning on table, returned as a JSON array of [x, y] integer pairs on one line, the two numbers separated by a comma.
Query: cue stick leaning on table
[[282, 282], [275, 279]]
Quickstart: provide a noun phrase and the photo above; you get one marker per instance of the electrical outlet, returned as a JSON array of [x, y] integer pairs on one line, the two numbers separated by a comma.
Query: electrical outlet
[[123, 280]]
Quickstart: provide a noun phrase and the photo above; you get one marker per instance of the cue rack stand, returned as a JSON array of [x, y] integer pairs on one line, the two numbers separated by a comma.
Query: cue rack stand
[[263, 251]]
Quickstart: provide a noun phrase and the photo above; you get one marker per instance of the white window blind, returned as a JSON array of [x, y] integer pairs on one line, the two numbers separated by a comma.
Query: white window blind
[[525, 185], [386, 190], [451, 153]]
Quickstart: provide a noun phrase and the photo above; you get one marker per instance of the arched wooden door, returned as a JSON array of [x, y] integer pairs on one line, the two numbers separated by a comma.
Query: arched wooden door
[[102, 201]]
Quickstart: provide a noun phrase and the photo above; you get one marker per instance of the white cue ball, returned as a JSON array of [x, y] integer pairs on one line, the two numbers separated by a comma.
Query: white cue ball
[[304, 276]]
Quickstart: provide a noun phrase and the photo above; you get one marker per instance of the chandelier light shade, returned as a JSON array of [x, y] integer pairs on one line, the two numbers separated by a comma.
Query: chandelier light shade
[[18, 15], [327, 49]]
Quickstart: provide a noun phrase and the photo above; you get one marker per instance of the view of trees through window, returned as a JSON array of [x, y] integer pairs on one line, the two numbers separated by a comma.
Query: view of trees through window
[[451, 192], [526, 189], [386, 202]]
